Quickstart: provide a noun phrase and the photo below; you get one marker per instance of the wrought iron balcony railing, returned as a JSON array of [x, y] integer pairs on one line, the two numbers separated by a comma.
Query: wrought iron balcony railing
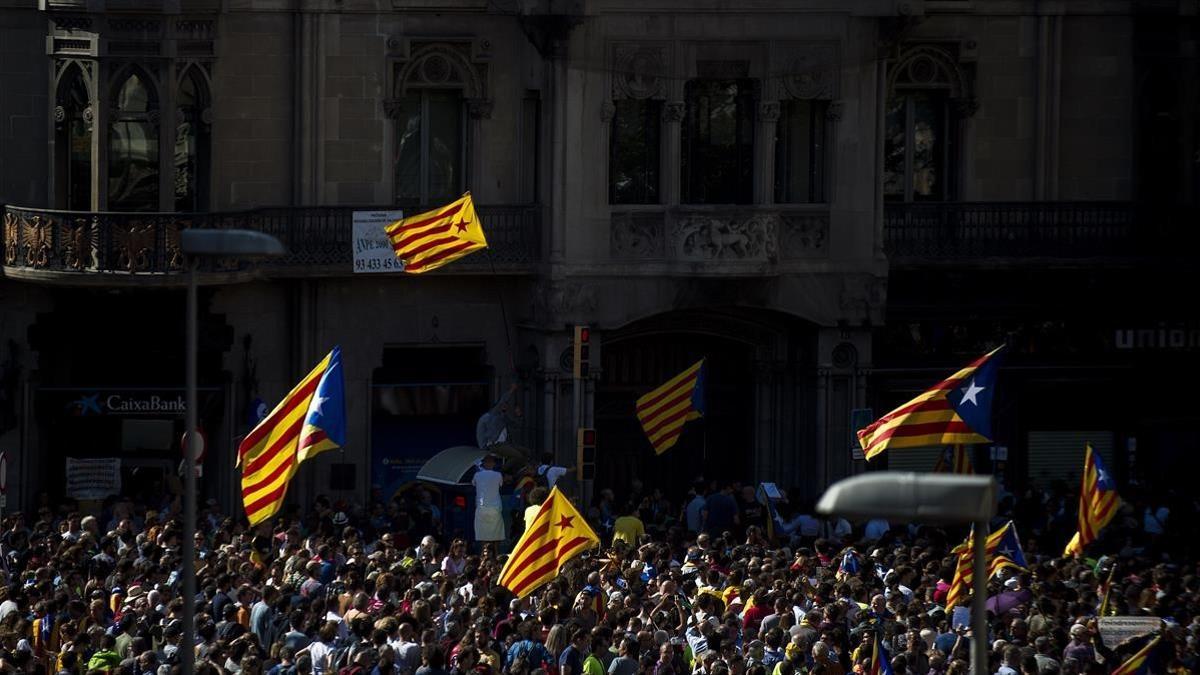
[[954, 231], [45, 242]]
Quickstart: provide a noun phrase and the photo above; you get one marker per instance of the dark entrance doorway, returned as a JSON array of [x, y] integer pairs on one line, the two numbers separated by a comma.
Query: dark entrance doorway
[[720, 445]]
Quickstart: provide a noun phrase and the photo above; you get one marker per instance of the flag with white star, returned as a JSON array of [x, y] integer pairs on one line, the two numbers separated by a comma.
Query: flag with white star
[[957, 410], [1098, 502], [557, 534], [309, 420]]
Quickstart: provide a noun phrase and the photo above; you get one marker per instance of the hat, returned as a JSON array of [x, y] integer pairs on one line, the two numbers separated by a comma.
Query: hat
[[135, 592], [340, 518]]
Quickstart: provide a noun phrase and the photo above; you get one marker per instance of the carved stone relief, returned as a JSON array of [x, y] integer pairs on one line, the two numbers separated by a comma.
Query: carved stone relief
[[811, 70], [720, 237], [639, 70], [637, 235]]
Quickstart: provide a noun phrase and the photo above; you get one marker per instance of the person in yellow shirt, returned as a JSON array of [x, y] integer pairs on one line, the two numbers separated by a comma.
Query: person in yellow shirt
[[629, 528], [536, 496]]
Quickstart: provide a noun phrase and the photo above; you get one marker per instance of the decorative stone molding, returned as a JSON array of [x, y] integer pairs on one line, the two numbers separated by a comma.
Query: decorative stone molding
[[727, 234], [935, 66], [674, 111], [637, 235], [640, 69], [440, 64], [833, 113], [768, 111], [804, 235], [811, 70], [607, 111], [565, 299], [701, 236], [480, 108]]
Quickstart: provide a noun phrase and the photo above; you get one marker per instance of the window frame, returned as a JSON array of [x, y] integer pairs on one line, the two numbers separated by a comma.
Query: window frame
[[651, 118], [948, 141], [426, 198], [818, 184], [749, 94]]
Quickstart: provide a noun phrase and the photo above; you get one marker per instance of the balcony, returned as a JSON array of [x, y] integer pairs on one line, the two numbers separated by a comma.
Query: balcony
[[918, 234], [116, 248]]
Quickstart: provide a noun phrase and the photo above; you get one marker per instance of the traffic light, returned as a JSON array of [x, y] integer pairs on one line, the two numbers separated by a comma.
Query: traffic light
[[585, 458], [581, 361]]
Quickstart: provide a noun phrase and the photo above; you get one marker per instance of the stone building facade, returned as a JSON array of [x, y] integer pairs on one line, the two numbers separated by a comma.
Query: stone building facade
[[778, 187]]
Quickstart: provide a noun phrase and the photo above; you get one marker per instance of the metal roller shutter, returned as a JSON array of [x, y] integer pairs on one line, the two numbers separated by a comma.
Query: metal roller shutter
[[1058, 455], [914, 459]]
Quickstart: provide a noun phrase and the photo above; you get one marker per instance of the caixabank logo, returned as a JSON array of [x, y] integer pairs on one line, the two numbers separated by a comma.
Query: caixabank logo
[[100, 403]]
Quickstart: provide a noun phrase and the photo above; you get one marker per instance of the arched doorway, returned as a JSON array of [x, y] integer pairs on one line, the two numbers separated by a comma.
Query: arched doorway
[[750, 355]]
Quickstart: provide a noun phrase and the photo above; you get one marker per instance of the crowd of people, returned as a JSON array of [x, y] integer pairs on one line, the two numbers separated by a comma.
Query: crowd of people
[[712, 583]]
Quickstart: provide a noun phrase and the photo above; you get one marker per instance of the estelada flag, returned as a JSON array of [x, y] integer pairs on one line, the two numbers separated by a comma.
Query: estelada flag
[[557, 534], [309, 420], [954, 411], [1098, 502], [429, 240], [664, 411]]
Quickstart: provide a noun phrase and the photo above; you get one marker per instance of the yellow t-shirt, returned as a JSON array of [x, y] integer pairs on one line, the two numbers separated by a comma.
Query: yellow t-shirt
[[628, 529], [531, 513]]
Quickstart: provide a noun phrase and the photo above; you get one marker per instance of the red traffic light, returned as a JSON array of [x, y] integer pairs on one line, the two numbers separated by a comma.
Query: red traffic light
[[589, 436]]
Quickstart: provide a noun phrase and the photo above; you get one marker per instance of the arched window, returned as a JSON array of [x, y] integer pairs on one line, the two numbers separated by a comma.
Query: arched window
[[73, 139], [133, 170], [192, 142], [434, 91], [929, 96]]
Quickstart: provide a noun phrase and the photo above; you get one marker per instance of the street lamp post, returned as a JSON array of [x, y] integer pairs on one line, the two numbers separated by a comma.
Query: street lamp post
[[197, 243], [932, 498]]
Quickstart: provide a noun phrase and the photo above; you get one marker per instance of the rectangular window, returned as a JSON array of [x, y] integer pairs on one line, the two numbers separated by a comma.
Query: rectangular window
[[634, 149], [800, 153], [531, 146], [430, 148], [133, 165], [919, 139], [718, 141]]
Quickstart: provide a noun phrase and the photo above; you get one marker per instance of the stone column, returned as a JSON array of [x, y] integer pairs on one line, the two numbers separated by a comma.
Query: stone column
[[764, 152], [168, 130], [1049, 94], [673, 112], [820, 473], [478, 109], [101, 114]]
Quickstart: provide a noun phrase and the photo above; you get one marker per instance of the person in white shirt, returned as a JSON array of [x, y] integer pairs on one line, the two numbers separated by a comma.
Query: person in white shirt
[[551, 471], [489, 521]]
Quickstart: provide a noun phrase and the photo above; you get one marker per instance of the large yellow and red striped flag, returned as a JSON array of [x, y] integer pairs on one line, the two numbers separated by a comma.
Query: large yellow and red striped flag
[[556, 534], [309, 420], [664, 411], [956, 410], [429, 240], [1098, 502]]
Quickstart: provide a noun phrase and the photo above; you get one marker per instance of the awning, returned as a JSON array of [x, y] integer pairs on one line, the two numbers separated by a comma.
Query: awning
[[449, 466]]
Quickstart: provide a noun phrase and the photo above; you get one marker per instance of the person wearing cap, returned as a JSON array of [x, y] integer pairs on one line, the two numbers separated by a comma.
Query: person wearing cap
[[1080, 647]]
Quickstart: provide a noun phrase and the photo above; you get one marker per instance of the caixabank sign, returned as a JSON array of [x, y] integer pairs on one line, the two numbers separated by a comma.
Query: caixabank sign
[[105, 402]]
